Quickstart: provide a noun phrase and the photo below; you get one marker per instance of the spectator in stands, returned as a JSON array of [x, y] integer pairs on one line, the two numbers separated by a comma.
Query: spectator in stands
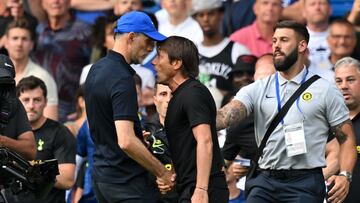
[[63, 48], [19, 42], [217, 54], [89, 10], [317, 14], [257, 37], [178, 21]]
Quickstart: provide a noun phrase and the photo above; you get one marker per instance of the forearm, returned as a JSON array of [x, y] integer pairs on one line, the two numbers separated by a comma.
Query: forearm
[[203, 163], [345, 135], [92, 5], [66, 179], [136, 150], [25, 147], [230, 115]]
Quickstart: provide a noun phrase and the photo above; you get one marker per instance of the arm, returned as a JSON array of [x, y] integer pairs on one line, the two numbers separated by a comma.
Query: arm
[[231, 114], [37, 10], [92, 5], [354, 13], [24, 145], [204, 149], [345, 136], [51, 111], [65, 180], [294, 12], [136, 150], [332, 158]]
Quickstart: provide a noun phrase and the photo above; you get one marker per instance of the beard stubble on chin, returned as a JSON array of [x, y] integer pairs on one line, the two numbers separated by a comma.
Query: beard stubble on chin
[[287, 62]]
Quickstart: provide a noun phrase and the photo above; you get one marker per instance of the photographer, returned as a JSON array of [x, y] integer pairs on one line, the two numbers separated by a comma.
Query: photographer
[[15, 130]]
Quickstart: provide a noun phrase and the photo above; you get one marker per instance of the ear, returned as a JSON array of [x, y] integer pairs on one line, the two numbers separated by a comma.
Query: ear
[[131, 36], [302, 46], [177, 63], [255, 8]]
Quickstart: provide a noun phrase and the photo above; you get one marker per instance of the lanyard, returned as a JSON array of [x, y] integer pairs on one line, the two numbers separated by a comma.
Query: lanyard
[[278, 92]]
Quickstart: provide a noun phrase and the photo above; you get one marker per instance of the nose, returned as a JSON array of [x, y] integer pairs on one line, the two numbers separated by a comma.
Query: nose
[[155, 60]]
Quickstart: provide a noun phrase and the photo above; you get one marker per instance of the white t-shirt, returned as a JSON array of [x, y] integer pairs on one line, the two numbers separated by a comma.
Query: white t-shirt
[[319, 49], [189, 29]]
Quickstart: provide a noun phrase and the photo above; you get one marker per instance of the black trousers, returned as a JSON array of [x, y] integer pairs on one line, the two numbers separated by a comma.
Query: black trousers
[[139, 190], [218, 191], [298, 186]]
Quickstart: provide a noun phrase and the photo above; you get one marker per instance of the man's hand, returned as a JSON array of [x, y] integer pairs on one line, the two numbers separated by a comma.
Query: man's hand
[[238, 170], [166, 182], [200, 196], [341, 188]]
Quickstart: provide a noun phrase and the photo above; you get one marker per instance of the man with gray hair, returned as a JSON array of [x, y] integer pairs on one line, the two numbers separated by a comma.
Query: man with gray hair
[[347, 78]]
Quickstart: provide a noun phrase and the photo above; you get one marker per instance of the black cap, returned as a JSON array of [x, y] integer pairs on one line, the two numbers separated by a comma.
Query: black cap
[[244, 63], [7, 70]]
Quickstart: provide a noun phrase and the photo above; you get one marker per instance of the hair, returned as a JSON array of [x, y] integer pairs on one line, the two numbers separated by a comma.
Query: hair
[[180, 48], [24, 24], [299, 29], [342, 21], [30, 83], [347, 62], [98, 37]]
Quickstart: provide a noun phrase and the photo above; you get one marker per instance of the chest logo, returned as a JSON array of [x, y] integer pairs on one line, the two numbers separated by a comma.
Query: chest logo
[[40, 146], [307, 96]]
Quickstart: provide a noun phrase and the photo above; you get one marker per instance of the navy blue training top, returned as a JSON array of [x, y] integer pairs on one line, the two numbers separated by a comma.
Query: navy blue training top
[[110, 95]]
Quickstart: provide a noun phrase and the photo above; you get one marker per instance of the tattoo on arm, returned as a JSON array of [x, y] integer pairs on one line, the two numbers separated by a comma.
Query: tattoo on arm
[[230, 115], [338, 131]]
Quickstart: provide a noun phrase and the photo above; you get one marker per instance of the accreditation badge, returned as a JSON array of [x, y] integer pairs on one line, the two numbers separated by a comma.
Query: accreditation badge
[[295, 139]]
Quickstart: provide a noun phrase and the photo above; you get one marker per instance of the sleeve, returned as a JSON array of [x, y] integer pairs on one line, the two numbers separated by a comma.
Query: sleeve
[[21, 118], [336, 110], [124, 100], [65, 146], [246, 95], [198, 110]]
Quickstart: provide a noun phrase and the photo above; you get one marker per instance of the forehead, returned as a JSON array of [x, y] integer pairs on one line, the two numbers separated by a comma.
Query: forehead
[[337, 27], [18, 31], [347, 70], [37, 92], [284, 32]]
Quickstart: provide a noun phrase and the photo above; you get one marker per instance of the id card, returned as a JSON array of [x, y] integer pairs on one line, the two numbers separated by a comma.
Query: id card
[[295, 139]]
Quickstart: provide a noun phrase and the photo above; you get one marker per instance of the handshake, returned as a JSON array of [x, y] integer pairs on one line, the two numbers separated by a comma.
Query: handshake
[[157, 143]]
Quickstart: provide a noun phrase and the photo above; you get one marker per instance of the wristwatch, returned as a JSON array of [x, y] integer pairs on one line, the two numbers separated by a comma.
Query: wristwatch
[[348, 175]]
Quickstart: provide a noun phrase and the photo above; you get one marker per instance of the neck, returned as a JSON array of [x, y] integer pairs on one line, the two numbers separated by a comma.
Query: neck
[[318, 27], [234, 192], [293, 71], [162, 120], [266, 30], [176, 81], [37, 124], [334, 58], [212, 40], [20, 65], [354, 112], [59, 22], [176, 20], [121, 48]]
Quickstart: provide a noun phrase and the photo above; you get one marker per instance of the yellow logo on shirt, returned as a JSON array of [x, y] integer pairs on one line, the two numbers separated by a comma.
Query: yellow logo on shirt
[[358, 149], [307, 96], [40, 145]]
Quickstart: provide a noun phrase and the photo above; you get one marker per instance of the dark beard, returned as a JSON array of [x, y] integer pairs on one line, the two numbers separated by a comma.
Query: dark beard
[[289, 61]]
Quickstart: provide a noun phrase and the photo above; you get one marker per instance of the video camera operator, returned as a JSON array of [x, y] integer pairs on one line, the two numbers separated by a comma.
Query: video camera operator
[[15, 130]]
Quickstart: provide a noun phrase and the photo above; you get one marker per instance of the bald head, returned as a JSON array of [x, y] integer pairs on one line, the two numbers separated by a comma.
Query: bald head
[[264, 67]]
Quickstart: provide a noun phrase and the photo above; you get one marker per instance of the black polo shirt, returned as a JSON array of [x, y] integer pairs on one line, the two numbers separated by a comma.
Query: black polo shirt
[[191, 105], [110, 95]]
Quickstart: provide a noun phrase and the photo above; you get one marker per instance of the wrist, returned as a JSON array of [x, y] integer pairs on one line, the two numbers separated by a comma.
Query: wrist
[[347, 175], [201, 188]]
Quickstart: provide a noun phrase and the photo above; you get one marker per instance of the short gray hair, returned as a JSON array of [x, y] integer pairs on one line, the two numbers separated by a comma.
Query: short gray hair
[[347, 61]]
